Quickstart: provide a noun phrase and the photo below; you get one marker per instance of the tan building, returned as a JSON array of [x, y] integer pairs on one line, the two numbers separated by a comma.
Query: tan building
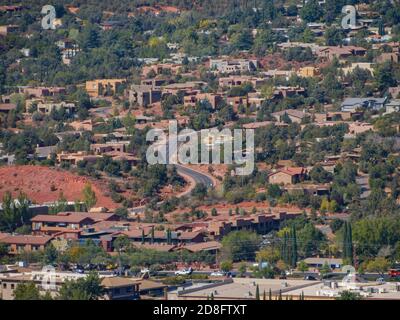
[[115, 288], [287, 176], [74, 158], [47, 108], [102, 87], [234, 81], [213, 99], [119, 288], [295, 116], [101, 148], [161, 68], [308, 72], [6, 30], [24, 243], [388, 56]]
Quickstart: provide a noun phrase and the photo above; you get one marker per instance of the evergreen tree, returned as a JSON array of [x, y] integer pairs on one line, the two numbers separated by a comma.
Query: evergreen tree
[[293, 248], [257, 293], [347, 253]]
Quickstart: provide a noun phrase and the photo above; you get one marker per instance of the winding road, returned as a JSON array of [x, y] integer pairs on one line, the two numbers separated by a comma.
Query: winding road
[[198, 177]]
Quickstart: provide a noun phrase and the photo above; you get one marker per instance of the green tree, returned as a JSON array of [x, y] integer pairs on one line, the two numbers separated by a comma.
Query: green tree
[[242, 269], [87, 288], [240, 245], [50, 254], [385, 76], [347, 252], [257, 292], [302, 266], [26, 291], [325, 269], [379, 264], [89, 196], [311, 11], [129, 122], [226, 266], [348, 295], [15, 212]]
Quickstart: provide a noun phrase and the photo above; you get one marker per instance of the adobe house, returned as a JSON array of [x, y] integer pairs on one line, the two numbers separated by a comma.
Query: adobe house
[[287, 176], [25, 243], [64, 221]]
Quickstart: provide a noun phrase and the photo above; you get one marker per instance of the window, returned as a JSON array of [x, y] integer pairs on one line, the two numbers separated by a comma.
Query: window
[[12, 286], [4, 285]]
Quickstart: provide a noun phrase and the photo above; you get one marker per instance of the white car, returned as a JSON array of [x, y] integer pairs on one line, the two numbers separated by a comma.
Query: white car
[[184, 272], [217, 274]]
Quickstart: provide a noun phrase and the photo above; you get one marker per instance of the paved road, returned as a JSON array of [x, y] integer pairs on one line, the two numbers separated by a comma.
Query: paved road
[[197, 176]]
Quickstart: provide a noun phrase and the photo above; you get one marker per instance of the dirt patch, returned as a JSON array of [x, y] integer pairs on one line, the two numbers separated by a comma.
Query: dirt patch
[[44, 184]]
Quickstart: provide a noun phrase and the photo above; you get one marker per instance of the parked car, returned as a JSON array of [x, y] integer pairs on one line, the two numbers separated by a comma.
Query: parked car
[[310, 278], [218, 274], [184, 272], [380, 280]]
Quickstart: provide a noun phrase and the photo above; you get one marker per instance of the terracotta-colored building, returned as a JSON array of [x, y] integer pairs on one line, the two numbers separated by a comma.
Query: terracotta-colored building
[[101, 87], [287, 176], [28, 243]]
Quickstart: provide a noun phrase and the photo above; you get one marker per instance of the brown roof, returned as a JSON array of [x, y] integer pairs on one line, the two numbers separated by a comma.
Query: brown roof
[[292, 171], [26, 239], [67, 217], [155, 246], [135, 233], [189, 235], [203, 246], [115, 282], [7, 106], [3, 235], [151, 285]]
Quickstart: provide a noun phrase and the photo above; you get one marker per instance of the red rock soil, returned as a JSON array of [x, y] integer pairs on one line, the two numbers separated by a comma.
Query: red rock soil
[[44, 184]]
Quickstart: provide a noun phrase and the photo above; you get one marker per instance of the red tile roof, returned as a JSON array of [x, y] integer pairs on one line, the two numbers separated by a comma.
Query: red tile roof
[[26, 239], [67, 217]]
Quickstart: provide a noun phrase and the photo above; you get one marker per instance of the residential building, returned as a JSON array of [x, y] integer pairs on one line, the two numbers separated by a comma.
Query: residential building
[[354, 104], [228, 65], [103, 87], [64, 221], [7, 107], [308, 72], [289, 175], [340, 52], [119, 288], [74, 158], [388, 57], [40, 92], [25, 243], [48, 108], [393, 106], [144, 95], [234, 81], [9, 29], [213, 99], [319, 262], [296, 116], [161, 68], [101, 148]]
